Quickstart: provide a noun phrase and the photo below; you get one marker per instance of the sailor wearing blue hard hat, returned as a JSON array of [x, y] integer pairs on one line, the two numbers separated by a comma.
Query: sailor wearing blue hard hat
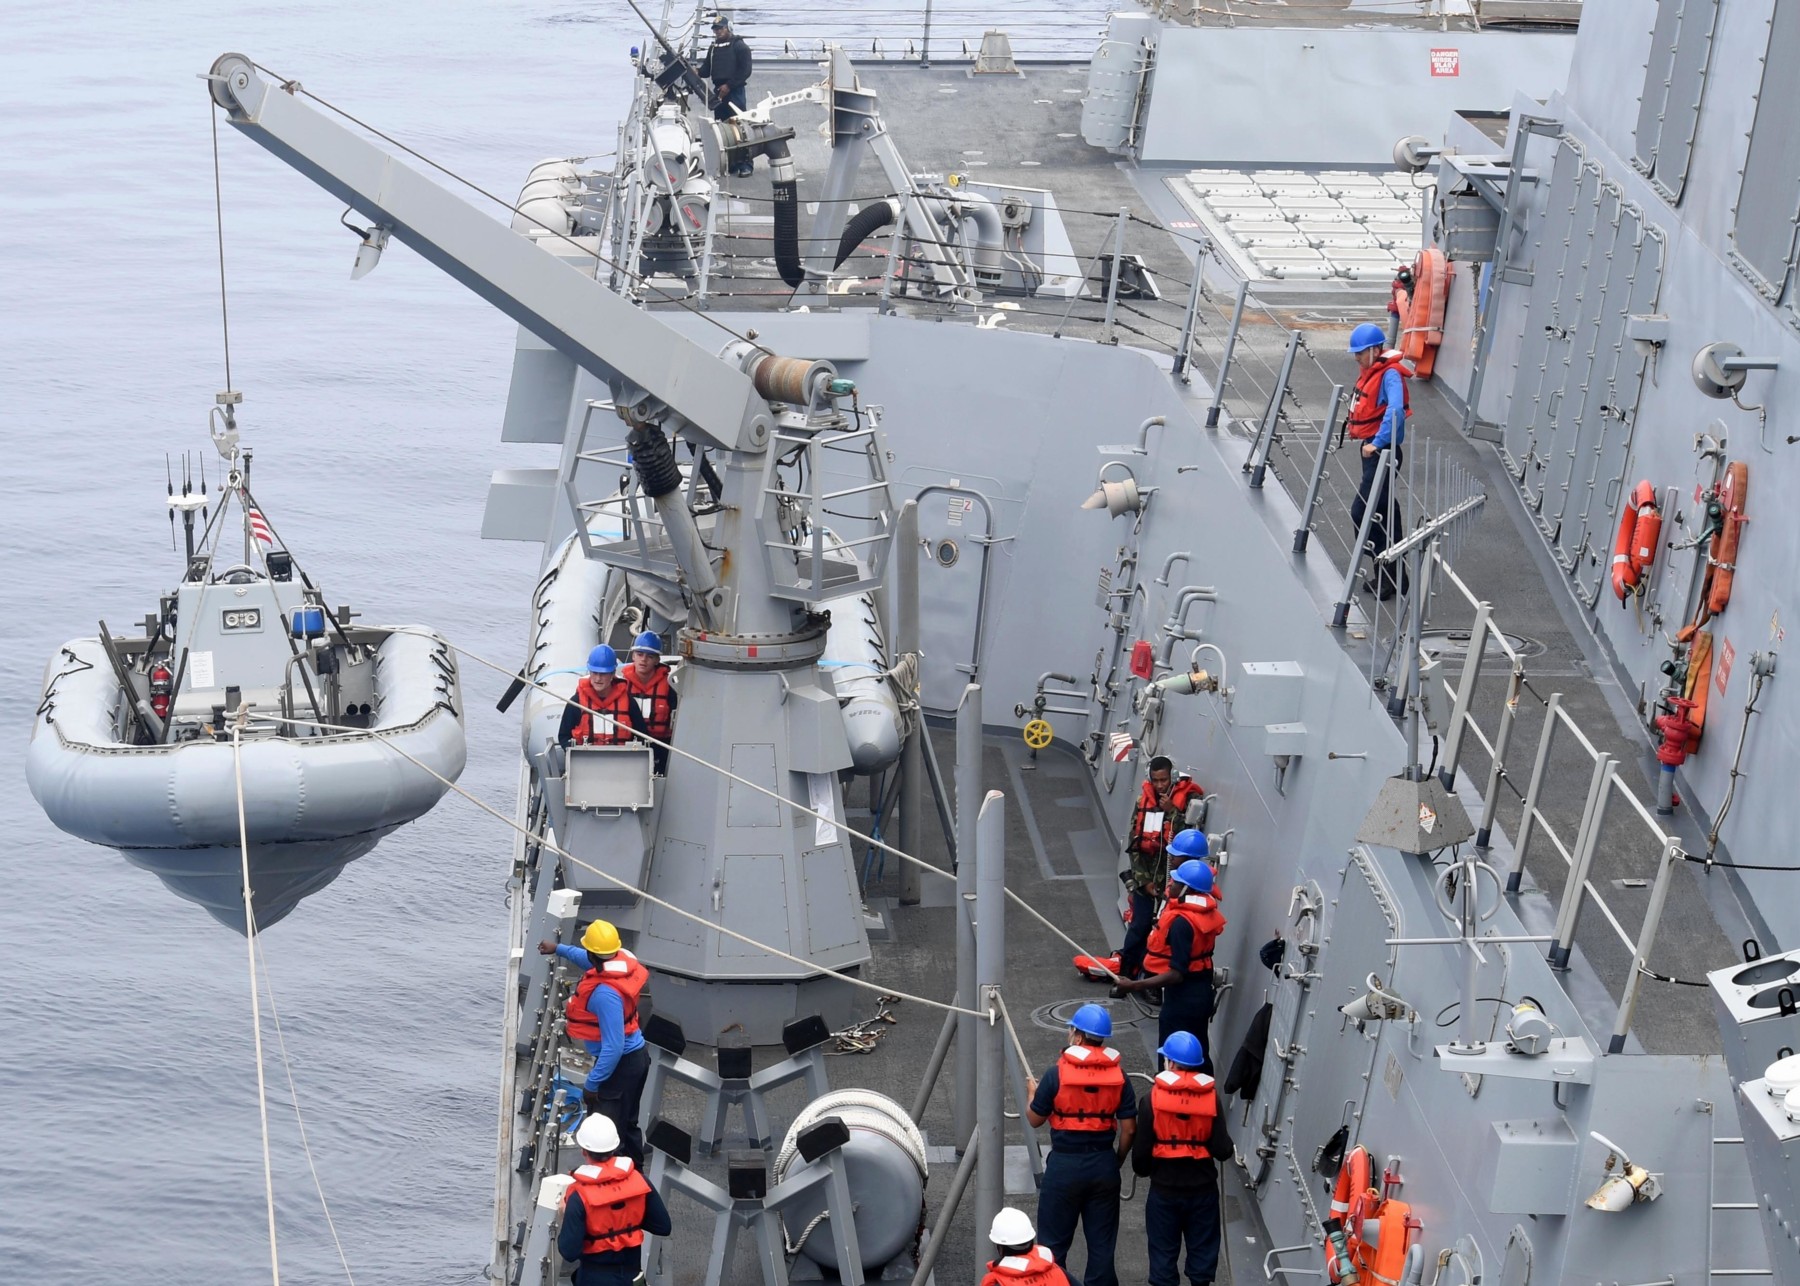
[[652, 692], [1178, 958], [600, 713], [1178, 1150], [1092, 1113], [1379, 408]]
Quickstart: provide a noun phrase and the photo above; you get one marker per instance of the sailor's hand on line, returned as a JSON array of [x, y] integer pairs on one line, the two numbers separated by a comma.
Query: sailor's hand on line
[[1031, 1087]]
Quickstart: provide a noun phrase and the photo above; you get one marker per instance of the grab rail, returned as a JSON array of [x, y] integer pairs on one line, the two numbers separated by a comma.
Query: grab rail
[[1577, 853]]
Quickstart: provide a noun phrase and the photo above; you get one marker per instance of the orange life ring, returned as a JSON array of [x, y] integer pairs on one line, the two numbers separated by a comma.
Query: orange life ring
[[1423, 330], [1350, 1204], [1640, 534]]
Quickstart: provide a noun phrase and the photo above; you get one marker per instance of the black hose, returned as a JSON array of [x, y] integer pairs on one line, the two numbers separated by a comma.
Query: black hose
[[654, 460], [876, 215], [786, 190]]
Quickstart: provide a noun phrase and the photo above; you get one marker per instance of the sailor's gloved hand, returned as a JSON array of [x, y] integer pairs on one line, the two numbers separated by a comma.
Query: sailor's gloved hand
[[546, 948], [591, 1101], [1272, 951]]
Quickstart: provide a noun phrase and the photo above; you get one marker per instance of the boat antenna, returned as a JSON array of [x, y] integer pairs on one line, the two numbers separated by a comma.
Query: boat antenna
[[169, 476]]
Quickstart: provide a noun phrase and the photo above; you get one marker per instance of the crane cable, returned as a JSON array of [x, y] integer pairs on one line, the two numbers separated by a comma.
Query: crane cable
[[262, 1089], [219, 226], [919, 862]]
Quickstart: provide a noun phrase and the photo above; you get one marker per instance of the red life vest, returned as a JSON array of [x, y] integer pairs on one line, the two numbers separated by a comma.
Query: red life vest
[[1089, 1084], [1200, 910], [1036, 1268], [1182, 1108], [625, 974], [615, 729], [1368, 410], [654, 697], [1153, 842], [612, 1194]]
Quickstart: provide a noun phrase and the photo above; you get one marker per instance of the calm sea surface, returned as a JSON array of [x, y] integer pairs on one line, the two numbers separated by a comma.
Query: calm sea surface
[[129, 1144]]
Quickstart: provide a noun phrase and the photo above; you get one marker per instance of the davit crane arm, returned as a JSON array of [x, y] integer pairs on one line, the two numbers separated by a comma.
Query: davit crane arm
[[662, 383]]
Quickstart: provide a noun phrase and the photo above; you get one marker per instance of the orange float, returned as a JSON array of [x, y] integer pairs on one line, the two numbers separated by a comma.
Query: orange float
[[1424, 322], [1640, 534]]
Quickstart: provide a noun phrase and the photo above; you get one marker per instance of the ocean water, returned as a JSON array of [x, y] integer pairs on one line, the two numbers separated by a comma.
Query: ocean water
[[129, 1145]]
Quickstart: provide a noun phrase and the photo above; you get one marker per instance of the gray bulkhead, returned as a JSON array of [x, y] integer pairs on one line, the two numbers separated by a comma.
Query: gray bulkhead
[[1669, 188]]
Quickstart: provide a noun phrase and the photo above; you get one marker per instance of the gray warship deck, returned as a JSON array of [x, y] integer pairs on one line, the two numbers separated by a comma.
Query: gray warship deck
[[1024, 130]]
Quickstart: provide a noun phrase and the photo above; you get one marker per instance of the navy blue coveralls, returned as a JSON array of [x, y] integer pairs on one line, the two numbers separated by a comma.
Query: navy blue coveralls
[[609, 1267], [1081, 1181], [1183, 1203], [1187, 1005]]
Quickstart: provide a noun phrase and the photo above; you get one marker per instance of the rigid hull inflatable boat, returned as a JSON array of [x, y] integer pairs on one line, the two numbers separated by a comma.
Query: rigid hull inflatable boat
[[243, 681]]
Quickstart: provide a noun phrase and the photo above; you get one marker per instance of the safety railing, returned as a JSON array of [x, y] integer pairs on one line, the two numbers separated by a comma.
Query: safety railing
[[1576, 849]]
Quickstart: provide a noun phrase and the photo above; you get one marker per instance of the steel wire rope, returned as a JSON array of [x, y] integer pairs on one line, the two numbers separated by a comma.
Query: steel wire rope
[[295, 87], [219, 226], [299, 1120], [262, 1089]]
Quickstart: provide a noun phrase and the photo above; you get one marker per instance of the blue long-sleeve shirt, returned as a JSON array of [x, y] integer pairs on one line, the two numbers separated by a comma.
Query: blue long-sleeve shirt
[[609, 1008], [1393, 417]]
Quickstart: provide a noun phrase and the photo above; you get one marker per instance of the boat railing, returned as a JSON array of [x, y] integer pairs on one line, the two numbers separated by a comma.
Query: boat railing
[[1560, 756]]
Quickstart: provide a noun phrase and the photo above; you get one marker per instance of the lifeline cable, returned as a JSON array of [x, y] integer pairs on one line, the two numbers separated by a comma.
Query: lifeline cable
[[764, 790], [651, 898], [262, 1089]]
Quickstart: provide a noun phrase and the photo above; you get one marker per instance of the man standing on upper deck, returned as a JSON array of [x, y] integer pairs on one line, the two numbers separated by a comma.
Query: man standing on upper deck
[[1378, 413], [727, 64]]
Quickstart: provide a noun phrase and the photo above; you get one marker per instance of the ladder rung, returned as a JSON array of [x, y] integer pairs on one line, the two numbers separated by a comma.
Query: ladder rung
[[1736, 1205]]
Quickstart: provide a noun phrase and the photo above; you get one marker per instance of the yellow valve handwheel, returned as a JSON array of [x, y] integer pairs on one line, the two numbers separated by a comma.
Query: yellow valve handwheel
[[1038, 734]]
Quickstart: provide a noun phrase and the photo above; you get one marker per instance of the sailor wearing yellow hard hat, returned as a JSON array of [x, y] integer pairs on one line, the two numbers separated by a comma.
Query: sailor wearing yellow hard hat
[[603, 1015]]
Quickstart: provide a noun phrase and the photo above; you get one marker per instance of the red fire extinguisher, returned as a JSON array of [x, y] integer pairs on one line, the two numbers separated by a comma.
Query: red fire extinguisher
[[162, 686]]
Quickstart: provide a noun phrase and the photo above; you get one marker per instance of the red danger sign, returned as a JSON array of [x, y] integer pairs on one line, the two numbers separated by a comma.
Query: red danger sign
[[1722, 674], [1446, 62]]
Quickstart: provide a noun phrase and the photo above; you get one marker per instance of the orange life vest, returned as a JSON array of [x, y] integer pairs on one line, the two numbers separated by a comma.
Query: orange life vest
[[1151, 842], [1182, 1108], [1201, 910], [625, 974], [1089, 1084], [654, 697], [612, 1195], [1037, 1268], [614, 728], [1368, 410]]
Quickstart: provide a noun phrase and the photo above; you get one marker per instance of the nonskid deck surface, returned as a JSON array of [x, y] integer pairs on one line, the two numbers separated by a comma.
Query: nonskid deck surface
[[1061, 857], [1025, 130]]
